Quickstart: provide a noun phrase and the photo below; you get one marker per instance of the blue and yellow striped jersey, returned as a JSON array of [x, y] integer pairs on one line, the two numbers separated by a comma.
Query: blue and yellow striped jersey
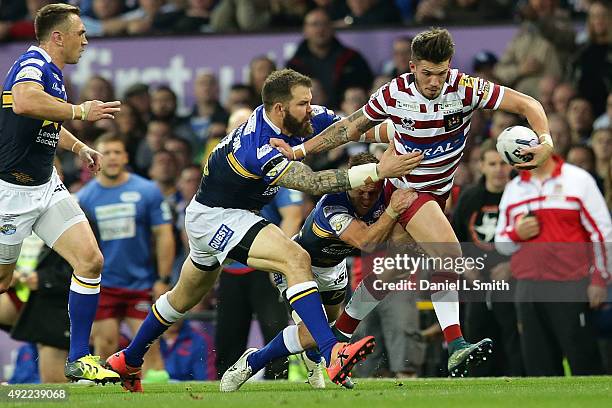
[[243, 170], [320, 234], [27, 145]]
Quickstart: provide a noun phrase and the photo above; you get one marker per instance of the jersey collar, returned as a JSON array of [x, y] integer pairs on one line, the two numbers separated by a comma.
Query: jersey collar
[[526, 175], [41, 52], [275, 128]]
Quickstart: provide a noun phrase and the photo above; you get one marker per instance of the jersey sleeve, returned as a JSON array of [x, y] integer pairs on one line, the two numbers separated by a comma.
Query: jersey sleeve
[[376, 108], [333, 217], [322, 118], [486, 94], [273, 165], [158, 209], [30, 70]]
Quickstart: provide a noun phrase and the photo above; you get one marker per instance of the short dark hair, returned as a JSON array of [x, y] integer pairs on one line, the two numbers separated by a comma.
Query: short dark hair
[[166, 88], [362, 158], [110, 137], [50, 16], [279, 84], [435, 45]]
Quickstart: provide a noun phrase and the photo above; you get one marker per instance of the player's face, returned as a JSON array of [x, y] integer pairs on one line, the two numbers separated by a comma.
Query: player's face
[[495, 170], [114, 160], [430, 77], [74, 40], [296, 121], [364, 198]]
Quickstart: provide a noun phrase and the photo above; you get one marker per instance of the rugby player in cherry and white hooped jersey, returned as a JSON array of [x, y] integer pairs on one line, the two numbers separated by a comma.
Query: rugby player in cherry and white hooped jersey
[[428, 110]]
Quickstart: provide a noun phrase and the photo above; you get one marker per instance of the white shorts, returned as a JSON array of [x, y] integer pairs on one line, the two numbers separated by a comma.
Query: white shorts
[[213, 231], [328, 279], [48, 210]]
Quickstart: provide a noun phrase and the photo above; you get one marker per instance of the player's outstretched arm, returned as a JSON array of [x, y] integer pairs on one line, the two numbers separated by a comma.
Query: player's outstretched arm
[[368, 237], [30, 99], [301, 177], [347, 130], [526, 106]]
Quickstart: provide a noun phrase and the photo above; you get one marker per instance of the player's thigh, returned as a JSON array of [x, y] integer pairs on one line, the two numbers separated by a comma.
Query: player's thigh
[[433, 232], [273, 251], [78, 246], [51, 362]]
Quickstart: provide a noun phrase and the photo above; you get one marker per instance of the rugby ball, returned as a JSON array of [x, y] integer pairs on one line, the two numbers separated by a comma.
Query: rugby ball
[[514, 138]]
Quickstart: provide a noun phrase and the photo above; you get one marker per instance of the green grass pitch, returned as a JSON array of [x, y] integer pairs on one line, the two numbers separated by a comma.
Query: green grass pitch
[[564, 392]]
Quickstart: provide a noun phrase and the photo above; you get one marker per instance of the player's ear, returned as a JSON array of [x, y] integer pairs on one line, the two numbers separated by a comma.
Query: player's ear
[[412, 67], [278, 108], [57, 37]]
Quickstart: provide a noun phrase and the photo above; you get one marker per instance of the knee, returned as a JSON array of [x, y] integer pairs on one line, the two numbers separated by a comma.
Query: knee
[[91, 264], [298, 260]]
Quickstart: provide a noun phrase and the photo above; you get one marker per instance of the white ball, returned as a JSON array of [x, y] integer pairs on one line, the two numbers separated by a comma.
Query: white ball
[[514, 138]]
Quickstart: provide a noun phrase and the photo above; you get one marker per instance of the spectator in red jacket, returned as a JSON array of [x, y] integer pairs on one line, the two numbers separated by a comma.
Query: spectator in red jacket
[[555, 223]]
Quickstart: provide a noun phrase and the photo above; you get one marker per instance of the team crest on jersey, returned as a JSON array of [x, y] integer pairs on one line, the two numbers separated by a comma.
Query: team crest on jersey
[[453, 121], [408, 123]]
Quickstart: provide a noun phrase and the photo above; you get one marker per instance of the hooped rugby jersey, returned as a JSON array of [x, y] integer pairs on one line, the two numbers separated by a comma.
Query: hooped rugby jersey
[[437, 127], [27, 145], [243, 170], [320, 234]]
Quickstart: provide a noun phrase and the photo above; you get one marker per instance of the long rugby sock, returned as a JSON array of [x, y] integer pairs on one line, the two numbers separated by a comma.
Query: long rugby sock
[[285, 343], [161, 316], [361, 303], [446, 305], [304, 298], [82, 305]]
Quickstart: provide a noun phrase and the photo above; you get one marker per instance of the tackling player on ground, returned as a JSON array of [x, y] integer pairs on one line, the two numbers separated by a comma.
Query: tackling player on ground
[[341, 225]]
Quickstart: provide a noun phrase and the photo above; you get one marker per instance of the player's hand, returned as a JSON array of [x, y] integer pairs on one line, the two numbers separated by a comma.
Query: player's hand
[[597, 295], [285, 149], [393, 165], [96, 110], [91, 158], [402, 198], [527, 227], [501, 272], [540, 153], [159, 288]]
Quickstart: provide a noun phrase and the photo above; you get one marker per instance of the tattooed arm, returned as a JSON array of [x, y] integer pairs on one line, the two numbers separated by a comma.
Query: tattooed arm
[[301, 177], [344, 131]]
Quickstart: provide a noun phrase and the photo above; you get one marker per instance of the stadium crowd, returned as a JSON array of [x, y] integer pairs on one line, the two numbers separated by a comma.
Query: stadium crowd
[[568, 70]]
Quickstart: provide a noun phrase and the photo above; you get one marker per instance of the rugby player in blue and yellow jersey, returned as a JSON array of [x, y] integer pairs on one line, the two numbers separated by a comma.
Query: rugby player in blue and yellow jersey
[[32, 197], [242, 174]]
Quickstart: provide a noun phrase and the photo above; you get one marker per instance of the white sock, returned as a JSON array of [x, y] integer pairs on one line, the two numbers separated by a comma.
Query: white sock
[[446, 305], [361, 303], [291, 338]]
